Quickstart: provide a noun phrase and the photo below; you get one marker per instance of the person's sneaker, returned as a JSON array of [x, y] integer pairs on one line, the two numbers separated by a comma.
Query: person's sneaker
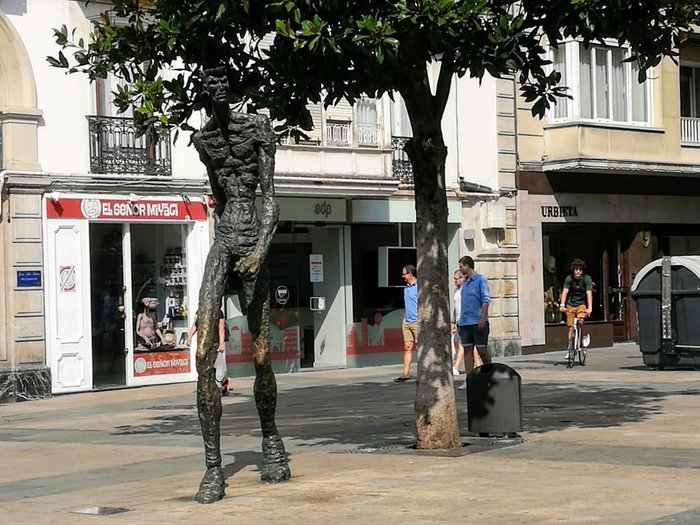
[[463, 386], [402, 379], [455, 372]]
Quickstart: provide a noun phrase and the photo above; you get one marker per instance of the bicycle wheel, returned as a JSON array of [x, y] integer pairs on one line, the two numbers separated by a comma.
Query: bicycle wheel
[[571, 354], [581, 350]]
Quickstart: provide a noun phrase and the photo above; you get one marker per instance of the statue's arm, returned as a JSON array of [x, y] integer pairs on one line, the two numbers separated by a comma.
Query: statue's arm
[[216, 190], [266, 171]]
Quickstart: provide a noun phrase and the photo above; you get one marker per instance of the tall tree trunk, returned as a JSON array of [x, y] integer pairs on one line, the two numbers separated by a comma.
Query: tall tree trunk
[[435, 411]]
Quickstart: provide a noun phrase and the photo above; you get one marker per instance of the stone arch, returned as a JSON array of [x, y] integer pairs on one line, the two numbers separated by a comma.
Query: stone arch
[[19, 115]]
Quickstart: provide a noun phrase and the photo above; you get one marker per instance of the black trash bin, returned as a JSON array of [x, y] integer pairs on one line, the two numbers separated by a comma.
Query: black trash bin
[[667, 295], [494, 400]]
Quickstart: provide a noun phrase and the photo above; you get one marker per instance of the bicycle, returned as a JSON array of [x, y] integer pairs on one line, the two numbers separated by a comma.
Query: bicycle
[[579, 342]]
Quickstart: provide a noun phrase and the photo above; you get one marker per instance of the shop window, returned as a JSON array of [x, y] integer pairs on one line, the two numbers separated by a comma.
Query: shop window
[[159, 285], [611, 257], [377, 306], [558, 252]]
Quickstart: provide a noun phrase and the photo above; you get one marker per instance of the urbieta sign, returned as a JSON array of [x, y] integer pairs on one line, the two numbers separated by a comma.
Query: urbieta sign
[[559, 211]]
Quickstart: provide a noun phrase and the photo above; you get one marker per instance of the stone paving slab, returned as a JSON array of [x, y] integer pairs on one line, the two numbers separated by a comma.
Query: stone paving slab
[[612, 442]]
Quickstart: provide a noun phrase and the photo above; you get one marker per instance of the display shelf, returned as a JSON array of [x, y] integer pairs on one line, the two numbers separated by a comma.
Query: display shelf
[[174, 270]]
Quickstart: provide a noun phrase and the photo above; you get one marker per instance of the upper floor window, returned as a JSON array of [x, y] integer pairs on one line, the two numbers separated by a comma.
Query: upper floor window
[[603, 87], [690, 91], [344, 125]]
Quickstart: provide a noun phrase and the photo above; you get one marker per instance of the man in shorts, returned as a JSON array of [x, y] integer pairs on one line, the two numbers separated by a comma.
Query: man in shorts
[[409, 326], [473, 323], [576, 295]]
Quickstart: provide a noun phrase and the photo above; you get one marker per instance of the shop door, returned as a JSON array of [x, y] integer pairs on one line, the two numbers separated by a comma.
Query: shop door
[[290, 292], [327, 276], [308, 294], [69, 333], [108, 309]]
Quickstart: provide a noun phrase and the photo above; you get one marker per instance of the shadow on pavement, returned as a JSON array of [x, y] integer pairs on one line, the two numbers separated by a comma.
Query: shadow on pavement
[[370, 413]]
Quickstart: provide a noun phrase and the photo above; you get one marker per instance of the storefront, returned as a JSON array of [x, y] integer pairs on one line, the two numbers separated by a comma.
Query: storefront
[[616, 235], [336, 291], [122, 278]]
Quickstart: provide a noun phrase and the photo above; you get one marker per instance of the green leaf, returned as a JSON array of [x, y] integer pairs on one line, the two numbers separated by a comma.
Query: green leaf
[[220, 11], [54, 62], [380, 55]]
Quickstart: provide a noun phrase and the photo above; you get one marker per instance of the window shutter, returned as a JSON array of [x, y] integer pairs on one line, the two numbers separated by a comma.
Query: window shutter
[[342, 110], [317, 118]]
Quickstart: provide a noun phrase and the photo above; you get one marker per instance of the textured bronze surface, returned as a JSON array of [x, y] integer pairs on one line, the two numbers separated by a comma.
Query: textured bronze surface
[[238, 150]]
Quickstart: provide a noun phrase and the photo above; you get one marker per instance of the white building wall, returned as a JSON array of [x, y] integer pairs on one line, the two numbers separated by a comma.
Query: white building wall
[[66, 100], [185, 161], [63, 99]]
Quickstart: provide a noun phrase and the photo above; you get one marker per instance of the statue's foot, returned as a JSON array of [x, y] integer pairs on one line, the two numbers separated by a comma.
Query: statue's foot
[[212, 486], [275, 467]]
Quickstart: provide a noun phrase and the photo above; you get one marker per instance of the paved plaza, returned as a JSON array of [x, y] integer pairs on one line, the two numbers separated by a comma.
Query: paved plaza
[[612, 442]]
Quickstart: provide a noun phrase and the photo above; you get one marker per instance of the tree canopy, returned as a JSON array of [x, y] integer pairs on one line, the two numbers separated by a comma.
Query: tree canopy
[[283, 54], [350, 48]]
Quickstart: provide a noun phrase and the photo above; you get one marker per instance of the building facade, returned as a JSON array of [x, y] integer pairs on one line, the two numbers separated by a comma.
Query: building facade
[[611, 177], [98, 223]]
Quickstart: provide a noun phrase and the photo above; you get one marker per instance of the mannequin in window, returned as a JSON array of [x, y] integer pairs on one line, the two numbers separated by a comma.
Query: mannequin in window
[[552, 291], [148, 332]]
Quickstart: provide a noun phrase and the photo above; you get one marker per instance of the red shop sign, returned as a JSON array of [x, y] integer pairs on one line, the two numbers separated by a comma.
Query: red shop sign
[[125, 210], [161, 363]]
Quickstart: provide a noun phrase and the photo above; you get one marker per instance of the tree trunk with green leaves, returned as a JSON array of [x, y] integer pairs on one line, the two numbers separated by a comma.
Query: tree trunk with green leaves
[[435, 411]]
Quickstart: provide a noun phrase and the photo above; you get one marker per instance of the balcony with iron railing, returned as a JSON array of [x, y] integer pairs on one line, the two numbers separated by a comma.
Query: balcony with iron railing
[[344, 134], [401, 166], [116, 148], [338, 151]]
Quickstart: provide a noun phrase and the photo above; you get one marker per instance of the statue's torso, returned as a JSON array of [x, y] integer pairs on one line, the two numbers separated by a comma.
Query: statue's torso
[[234, 161]]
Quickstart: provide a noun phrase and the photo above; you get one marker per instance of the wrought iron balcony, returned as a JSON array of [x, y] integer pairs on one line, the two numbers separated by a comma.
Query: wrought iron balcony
[[401, 166], [115, 148]]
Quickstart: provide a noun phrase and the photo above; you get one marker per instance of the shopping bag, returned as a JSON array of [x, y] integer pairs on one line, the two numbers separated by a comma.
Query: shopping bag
[[220, 366]]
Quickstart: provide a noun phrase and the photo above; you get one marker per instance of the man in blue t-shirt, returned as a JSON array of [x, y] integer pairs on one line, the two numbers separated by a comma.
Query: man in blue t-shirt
[[473, 323], [409, 326]]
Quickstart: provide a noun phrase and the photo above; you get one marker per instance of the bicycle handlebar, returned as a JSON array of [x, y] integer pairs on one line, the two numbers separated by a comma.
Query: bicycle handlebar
[[570, 310]]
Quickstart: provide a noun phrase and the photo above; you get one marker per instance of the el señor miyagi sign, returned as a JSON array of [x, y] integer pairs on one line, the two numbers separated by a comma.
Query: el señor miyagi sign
[[162, 363], [125, 210]]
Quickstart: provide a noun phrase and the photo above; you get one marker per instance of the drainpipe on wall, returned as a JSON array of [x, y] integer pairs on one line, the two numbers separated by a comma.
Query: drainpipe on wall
[[3, 175]]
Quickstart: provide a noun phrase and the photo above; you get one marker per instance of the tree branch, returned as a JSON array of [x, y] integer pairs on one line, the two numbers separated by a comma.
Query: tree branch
[[444, 83]]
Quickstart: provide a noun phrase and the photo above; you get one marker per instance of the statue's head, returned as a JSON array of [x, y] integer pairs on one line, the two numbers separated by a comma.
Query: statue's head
[[216, 82]]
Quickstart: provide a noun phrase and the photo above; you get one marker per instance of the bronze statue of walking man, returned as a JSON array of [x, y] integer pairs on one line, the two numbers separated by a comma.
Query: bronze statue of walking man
[[238, 150]]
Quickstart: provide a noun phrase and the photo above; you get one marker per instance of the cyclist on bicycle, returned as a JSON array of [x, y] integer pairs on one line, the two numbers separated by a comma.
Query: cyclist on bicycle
[[576, 295]]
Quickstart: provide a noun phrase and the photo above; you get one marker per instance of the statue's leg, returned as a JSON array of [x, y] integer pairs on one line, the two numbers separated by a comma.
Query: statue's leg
[[212, 486], [275, 466]]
